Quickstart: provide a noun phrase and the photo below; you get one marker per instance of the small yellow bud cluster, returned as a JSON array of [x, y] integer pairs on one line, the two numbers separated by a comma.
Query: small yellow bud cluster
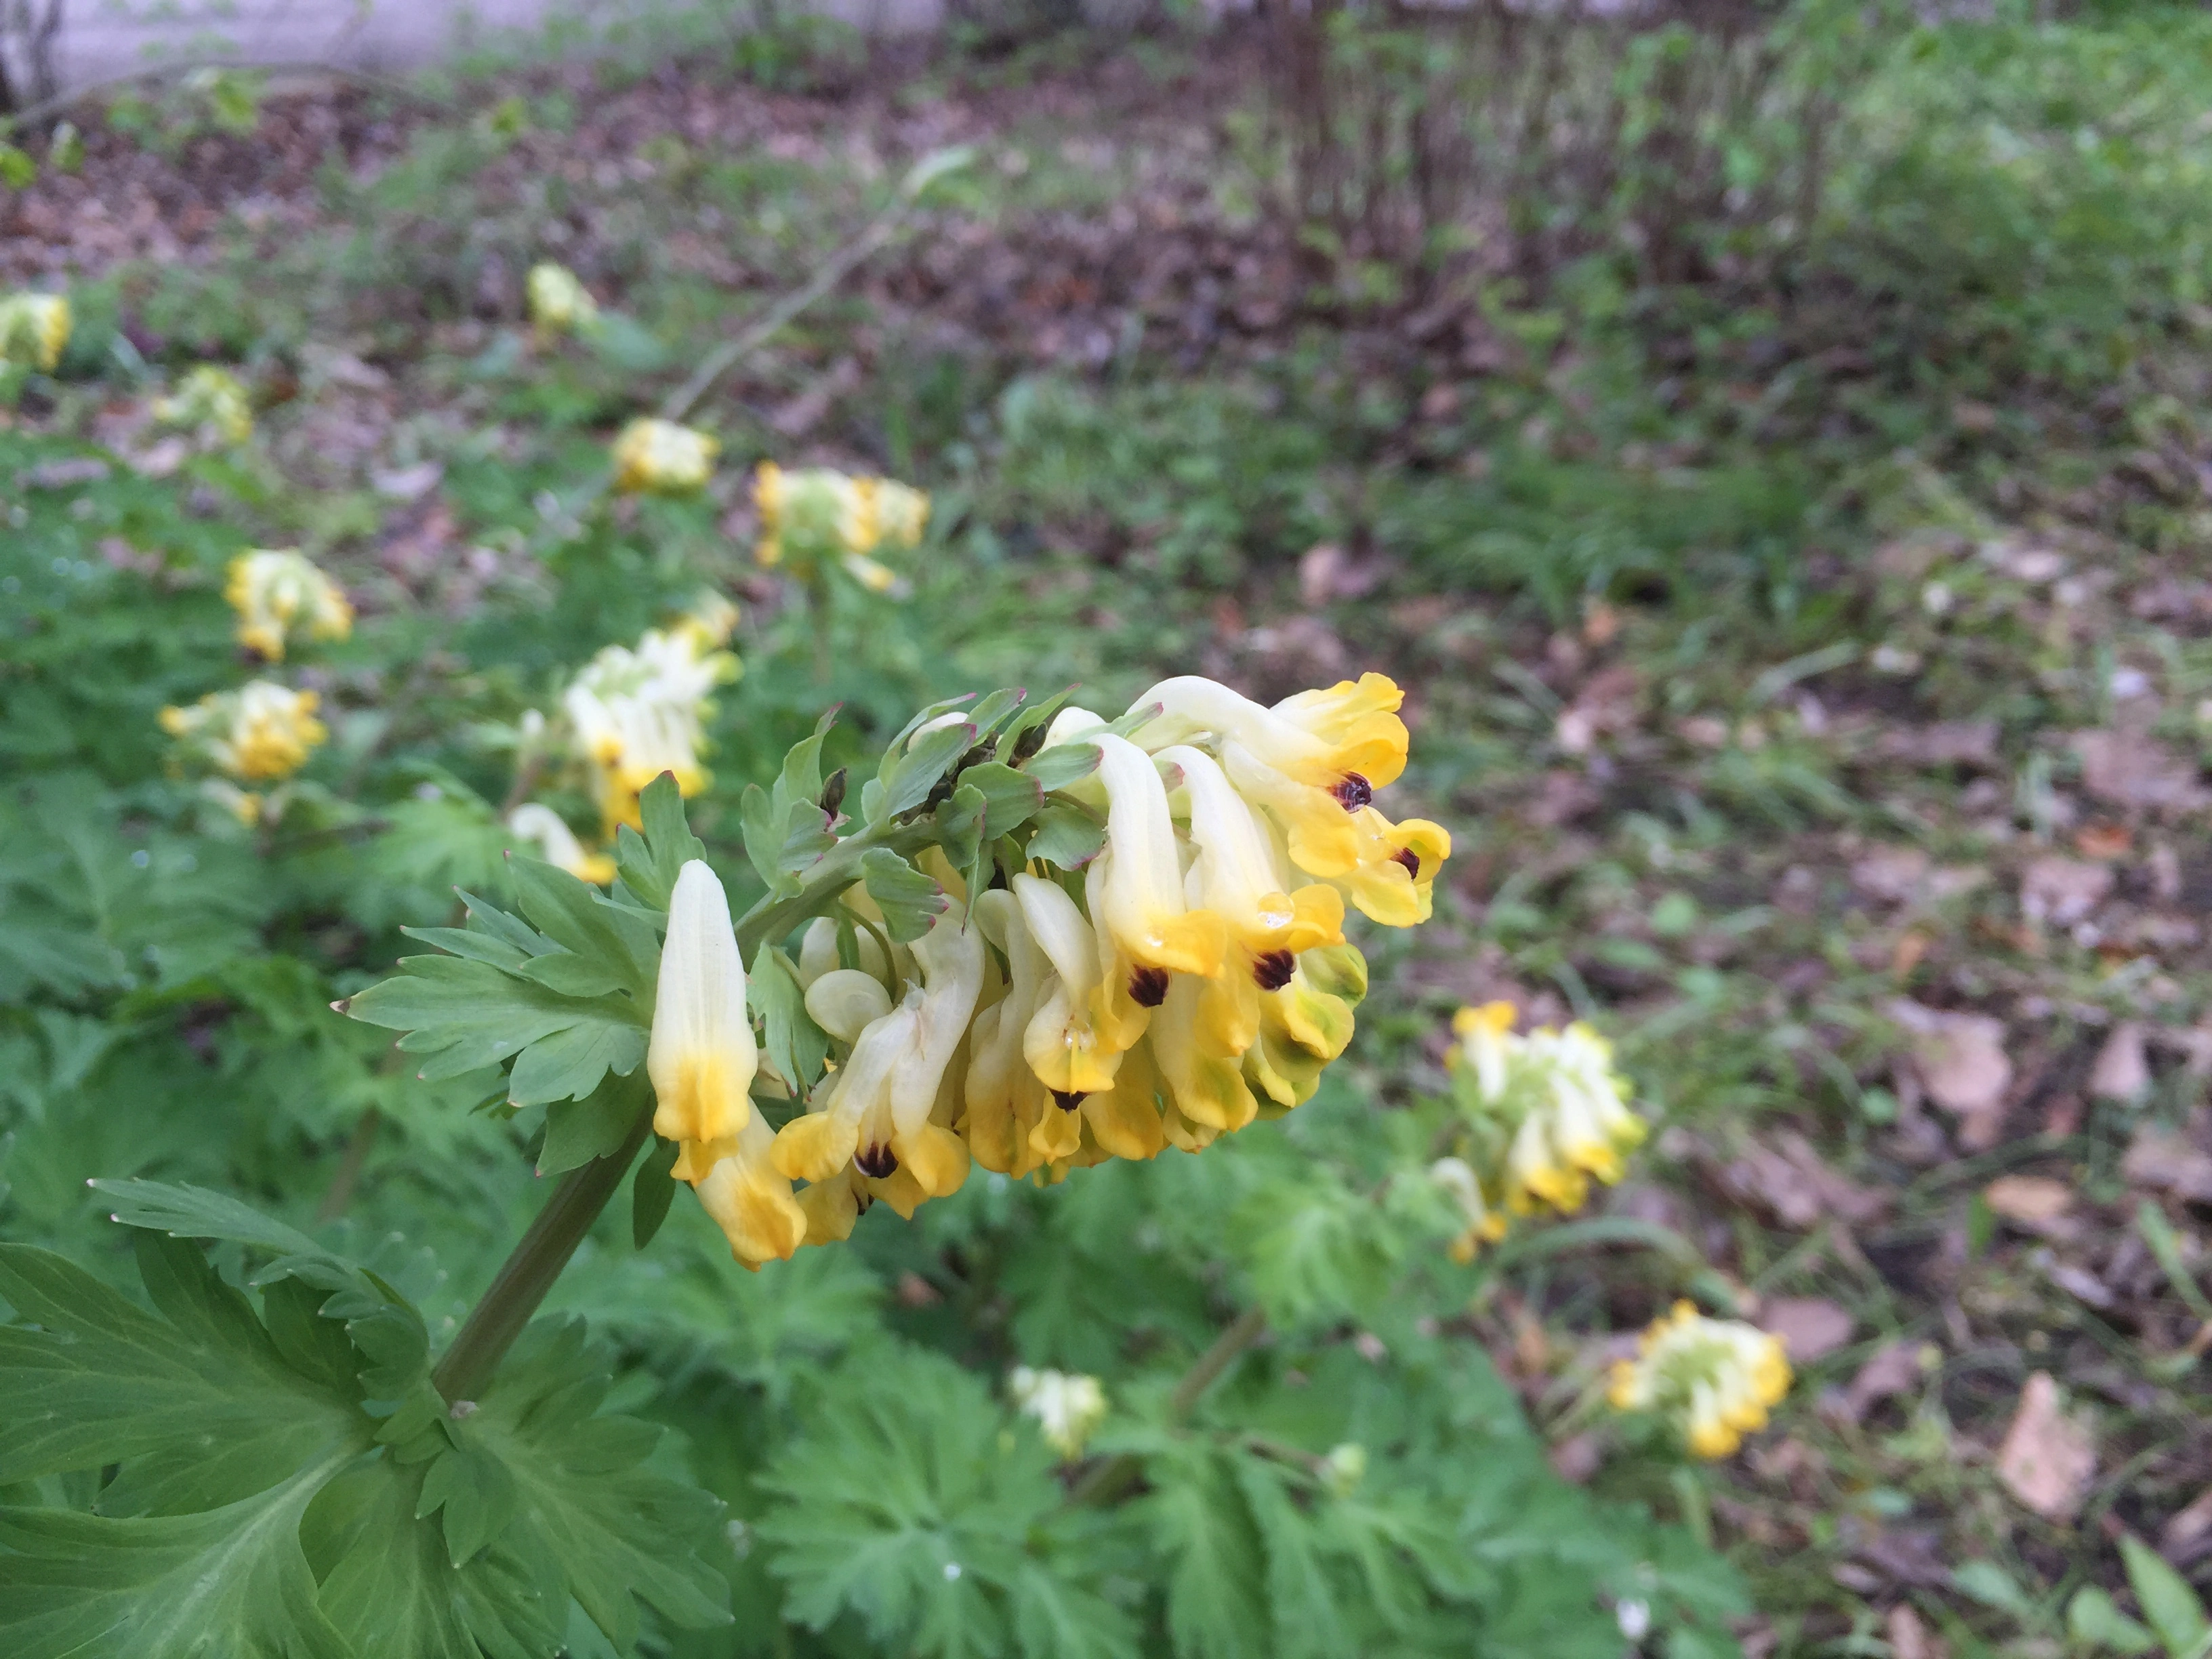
[[1194, 977], [559, 303], [660, 457], [1543, 1115], [34, 329], [1716, 1378], [815, 518], [261, 734], [281, 595], [634, 714], [210, 399], [1067, 1406]]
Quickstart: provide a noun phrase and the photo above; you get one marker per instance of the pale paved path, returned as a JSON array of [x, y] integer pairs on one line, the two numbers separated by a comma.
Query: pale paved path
[[104, 38]]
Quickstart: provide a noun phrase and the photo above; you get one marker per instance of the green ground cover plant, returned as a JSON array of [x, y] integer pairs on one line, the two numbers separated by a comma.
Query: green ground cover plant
[[1806, 661]]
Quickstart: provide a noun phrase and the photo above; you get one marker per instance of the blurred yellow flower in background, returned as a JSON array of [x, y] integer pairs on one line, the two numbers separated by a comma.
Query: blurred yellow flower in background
[[261, 733], [663, 459], [1716, 1378], [281, 595], [210, 397], [34, 329]]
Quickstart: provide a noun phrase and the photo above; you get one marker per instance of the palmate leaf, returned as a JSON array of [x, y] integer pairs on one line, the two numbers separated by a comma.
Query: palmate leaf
[[907, 1502], [535, 1472], [252, 1510], [392, 1587], [1216, 1563], [199, 1407], [231, 1581]]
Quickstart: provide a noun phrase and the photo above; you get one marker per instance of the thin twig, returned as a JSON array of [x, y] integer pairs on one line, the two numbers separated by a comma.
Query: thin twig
[[60, 102]]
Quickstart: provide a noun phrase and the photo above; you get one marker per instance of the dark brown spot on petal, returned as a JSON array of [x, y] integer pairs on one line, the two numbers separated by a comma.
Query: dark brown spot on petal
[[1066, 1099], [877, 1161], [1149, 987], [1410, 859], [1352, 791], [1272, 971]]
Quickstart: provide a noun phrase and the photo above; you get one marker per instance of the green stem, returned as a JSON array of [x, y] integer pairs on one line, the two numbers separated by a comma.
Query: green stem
[[1110, 1479], [530, 1270]]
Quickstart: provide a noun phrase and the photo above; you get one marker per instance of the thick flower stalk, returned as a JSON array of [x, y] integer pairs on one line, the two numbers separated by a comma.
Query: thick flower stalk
[[280, 596], [1067, 1407], [209, 399], [816, 519], [1713, 1379], [559, 302], [34, 329], [1542, 1115], [557, 843], [634, 714], [660, 457]]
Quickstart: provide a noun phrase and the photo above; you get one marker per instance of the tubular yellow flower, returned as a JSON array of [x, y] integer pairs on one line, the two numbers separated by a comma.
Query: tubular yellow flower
[[1483, 1225], [815, 517], [636, 713], [749, 1200], [212, 398], [261, 733], [1237, 876], [281, 595], [1556, 1095], [34, 329], [701, 1056], [1067, 1407], [883, 1117], [1005, 1098], [663, 459], [557, 844], [1715, 1379], [1147, 933], [559, 303]]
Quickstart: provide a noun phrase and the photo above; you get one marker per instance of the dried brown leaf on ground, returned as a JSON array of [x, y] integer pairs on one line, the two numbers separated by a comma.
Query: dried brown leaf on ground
[[2123, 1068], [2035, 1202], [2047, 1458], [2160, 1157], [1962, 1064], [1909, 1637], [1946, 742], [1894, 1369], [1905, 875], [2062, 891], [2133, 769], [1791, 1182], [2187, 1525], [1810, 1327]]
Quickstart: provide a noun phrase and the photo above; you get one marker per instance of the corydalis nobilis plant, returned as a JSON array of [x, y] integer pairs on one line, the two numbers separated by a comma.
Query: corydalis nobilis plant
[[1045, 939]]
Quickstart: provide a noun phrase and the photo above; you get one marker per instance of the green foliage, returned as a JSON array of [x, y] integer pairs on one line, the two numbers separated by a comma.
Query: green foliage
[[273, 1477]]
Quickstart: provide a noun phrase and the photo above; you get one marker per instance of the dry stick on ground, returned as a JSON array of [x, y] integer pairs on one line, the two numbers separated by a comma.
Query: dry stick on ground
[[60, 102], [1111, 1478]]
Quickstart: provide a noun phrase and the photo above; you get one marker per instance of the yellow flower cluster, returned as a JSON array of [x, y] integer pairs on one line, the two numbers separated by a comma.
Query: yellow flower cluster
[[1545, 1113], [1194, 978], [281, 595], [660, 457], [559, 303], [208, 398], [262, 733], [813, 518], [1067, 1406], [1717, 1378], [635, 714], [34, 329]]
